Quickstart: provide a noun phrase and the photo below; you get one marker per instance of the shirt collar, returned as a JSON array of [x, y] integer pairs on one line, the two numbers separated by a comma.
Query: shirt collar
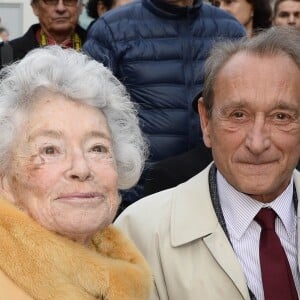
[[240, 209], [68, 43]]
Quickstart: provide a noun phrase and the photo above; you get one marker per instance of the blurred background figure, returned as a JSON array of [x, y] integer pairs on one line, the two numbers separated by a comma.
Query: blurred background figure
[[4, 34], [58, 25], [96, 8], [287, 12], [252, 14], [121, 2], [157, 49]]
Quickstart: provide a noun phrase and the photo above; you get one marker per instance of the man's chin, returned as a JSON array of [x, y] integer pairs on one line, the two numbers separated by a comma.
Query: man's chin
[[62, 29]]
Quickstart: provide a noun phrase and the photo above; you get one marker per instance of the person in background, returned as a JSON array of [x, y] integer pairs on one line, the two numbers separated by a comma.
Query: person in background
[[69, 140], [254, 15], [4, 34], [231, 231], [96, 8], [58, 25], [157, 48], [287, 12], [5, 48]]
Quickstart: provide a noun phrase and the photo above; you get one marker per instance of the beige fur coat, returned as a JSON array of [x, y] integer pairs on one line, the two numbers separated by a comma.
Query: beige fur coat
[[38, 264]]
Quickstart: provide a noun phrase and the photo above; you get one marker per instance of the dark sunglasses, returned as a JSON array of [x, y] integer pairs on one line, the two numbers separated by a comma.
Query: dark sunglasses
[[65, 2]]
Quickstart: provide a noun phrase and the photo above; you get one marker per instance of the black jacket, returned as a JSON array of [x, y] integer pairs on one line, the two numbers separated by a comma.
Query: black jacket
[[22, 45], [175, 170]]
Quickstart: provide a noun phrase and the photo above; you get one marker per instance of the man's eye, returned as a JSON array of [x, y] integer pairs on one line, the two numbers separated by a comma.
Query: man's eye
[[283, 14], [238, 114], [282, 116]]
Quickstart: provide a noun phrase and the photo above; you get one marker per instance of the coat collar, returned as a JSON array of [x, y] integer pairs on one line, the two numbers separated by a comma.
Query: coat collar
[[48, 266], [193, 218], [169, 11]]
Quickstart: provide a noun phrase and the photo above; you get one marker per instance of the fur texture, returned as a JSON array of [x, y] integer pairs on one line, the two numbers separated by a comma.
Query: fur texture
[[48, 266]]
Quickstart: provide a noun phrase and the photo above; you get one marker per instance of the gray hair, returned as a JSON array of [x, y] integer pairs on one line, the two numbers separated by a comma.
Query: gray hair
[[76, 76], [281, 40]]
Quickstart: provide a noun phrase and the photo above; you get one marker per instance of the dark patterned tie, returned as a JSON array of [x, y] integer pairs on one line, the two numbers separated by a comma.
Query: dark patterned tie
[[276, 273]]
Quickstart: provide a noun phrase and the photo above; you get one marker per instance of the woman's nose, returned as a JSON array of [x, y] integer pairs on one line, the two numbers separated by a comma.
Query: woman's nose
[[79, 168]]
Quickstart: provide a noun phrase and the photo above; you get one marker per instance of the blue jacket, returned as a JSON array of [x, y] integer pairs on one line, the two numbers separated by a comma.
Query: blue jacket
[[158, 50]]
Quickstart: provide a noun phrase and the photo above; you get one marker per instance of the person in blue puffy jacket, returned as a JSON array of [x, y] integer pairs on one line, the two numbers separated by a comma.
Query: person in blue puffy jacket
[[157, 49]]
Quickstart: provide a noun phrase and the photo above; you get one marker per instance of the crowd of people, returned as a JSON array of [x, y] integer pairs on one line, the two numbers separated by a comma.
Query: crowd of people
[[153, 154]]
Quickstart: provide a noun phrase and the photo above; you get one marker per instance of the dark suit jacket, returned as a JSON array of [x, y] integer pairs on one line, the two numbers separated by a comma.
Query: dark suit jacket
[[22, 45], [177, 169]]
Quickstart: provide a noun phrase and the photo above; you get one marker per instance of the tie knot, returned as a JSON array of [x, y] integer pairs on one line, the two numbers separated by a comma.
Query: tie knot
[[266, 218]]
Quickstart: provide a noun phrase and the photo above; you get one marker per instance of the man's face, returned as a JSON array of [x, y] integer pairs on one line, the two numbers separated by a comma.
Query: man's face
[[254, 129], [56, 19], [288, 13]]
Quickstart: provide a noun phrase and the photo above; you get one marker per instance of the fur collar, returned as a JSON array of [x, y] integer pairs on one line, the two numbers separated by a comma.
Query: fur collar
[[49, 266]]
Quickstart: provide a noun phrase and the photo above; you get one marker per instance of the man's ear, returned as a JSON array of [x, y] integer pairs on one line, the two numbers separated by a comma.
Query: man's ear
[[205, 122], [35, 8]]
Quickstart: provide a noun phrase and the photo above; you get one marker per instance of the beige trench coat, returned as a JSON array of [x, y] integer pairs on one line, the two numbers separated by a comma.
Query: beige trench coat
[[179, 234]]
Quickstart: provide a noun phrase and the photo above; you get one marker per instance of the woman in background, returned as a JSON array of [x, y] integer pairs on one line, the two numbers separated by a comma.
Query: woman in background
[[254, 15]]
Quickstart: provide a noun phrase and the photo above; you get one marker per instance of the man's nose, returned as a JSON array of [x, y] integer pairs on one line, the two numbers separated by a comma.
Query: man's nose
[[258, 137], [291, 20], [60, 5]]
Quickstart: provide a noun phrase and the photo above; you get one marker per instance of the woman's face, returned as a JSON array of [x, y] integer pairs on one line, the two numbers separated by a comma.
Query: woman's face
[[63, 171], [242, 10]]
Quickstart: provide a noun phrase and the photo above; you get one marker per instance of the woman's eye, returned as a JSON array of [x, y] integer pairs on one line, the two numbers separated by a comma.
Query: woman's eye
[[99, 148], [49, 150]]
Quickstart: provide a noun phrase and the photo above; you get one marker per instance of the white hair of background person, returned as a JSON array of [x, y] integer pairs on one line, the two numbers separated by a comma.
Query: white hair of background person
[[76, 76]]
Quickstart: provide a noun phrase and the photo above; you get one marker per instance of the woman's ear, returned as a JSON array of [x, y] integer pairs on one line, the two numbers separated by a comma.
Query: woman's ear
[[205, 122], [5, 190]]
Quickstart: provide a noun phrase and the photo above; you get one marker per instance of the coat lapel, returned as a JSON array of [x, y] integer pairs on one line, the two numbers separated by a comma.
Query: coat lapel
[[195, 218]]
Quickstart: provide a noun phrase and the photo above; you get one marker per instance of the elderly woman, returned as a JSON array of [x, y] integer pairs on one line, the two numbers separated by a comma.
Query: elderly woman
[[69, 140]]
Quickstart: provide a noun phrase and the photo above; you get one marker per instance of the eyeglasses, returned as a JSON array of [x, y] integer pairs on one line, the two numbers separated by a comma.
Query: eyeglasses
[[65, 2]]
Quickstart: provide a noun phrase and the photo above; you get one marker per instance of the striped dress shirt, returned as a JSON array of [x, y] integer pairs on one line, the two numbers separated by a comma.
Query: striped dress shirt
[[239, 211]]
